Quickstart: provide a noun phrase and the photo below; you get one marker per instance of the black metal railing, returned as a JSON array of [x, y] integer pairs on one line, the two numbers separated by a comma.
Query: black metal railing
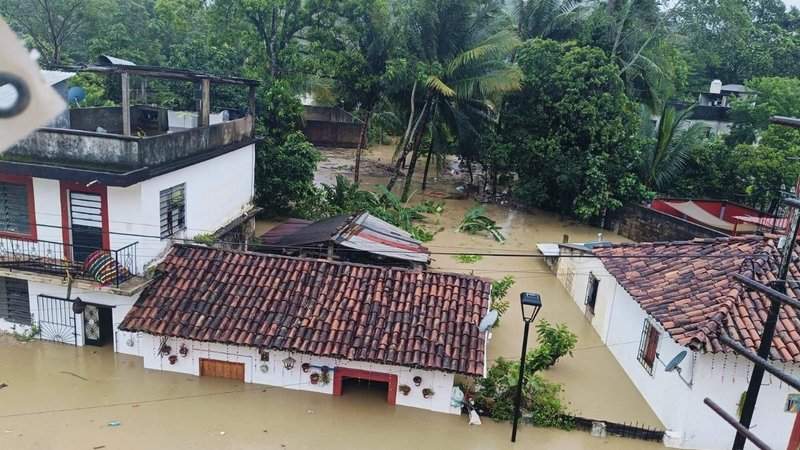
[[107, 267]]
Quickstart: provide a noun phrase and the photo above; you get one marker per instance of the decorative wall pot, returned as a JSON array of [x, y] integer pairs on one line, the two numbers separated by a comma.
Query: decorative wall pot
[[427, 393], [417, 381], [173, 359], [165, 350], [130, 342], [184, 350], [314, 378], [306, 367], [404, 389], [325, 369], [264, 368], [288, 363], [78, 306]]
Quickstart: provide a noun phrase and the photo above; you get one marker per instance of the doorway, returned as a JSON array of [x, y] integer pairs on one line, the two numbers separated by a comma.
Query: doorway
[[85, 223], [349, 380], [221, 369], [98, 326]]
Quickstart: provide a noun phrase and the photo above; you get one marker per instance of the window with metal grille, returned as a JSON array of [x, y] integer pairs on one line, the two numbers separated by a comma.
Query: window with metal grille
[[14, 216], [591, 293], [173, 210], [648, 346], [15, 304]]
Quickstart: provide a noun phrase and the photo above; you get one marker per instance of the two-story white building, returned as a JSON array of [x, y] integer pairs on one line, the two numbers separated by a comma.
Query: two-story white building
[[103, 193], [652, 303]]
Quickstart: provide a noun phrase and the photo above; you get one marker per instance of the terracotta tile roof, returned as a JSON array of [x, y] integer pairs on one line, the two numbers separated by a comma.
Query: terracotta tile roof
[[341, 310], [695, 299]]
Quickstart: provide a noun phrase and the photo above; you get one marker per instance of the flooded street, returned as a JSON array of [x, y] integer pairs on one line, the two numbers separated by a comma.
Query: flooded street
[[62, 397], [595, 385]]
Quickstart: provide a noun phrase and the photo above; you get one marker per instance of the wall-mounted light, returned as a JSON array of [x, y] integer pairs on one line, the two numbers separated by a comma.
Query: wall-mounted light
[[288, 363], [264, 355]]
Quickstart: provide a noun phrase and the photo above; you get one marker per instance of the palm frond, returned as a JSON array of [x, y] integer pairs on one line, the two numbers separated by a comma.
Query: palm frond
[[497, 45], [436, 84]]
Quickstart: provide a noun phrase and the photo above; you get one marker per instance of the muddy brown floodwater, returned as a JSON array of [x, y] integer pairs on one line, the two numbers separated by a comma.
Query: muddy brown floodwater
[[61, 397]]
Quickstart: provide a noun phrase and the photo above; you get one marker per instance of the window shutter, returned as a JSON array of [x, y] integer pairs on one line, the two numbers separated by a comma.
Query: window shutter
[[14, 208]]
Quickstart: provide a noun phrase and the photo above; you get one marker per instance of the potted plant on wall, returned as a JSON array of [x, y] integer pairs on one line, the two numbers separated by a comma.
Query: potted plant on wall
[[306, 367], [314, 378], [427, 393], [184, 350], [417, 380], [404, 389], [165, 349], [324, 377], [173, 359]]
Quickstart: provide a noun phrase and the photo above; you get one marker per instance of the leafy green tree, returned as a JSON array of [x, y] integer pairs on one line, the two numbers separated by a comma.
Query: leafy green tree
[[774, 96], [284, 173], [573, 131]]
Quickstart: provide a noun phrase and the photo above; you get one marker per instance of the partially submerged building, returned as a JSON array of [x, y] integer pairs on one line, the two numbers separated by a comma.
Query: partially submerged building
[[712, 109], [311, 324], [661, 308], [359, 237], [89, 202]]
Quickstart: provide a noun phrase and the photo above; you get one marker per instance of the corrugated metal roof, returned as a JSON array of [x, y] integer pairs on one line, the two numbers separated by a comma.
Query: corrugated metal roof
[[371, 234], [363, 232]]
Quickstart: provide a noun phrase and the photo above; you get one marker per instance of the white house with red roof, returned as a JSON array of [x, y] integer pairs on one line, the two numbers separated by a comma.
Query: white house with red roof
[[657, 303]]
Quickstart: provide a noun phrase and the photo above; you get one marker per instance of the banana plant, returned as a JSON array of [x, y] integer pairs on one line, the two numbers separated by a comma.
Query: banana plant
[[475, 221]]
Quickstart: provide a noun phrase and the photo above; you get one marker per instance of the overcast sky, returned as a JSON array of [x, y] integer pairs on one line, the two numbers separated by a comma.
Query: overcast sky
[[792, 3]]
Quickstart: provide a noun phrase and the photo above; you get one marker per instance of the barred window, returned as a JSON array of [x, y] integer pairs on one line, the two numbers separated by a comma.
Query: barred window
[[14, 216], [648, 345], [14, 301], [173, 210]]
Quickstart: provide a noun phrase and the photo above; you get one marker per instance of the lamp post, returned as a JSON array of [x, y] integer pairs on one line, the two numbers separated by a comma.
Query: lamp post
[[531, 304]]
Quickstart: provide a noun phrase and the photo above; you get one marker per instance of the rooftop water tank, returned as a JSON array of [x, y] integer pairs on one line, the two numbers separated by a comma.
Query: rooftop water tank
[[716, 87]]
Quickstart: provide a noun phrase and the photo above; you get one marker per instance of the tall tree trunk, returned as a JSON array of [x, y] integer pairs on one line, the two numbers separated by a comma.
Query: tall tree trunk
[[407, 146], [362, 141], [427, 166], [411, 165]]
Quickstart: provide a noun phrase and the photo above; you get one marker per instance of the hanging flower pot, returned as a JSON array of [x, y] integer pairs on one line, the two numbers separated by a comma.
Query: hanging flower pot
[[427, 393], [404, 389], [417, 381], [184, 350], [325, 369], [314, 378], [165, 350], [306, 367], [173, 359]]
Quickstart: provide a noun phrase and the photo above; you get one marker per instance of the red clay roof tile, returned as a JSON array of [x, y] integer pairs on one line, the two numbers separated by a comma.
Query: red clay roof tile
[[333, 309], [695, 298]]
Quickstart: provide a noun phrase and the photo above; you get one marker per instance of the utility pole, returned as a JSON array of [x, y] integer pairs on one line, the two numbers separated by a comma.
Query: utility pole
[[770, 324]]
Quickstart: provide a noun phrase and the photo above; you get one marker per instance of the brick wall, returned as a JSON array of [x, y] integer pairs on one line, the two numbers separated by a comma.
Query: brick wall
[[642, 224]]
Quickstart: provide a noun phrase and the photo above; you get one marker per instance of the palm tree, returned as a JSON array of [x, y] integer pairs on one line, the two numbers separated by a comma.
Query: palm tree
[[544, 18], [463, 55], [664, 159]]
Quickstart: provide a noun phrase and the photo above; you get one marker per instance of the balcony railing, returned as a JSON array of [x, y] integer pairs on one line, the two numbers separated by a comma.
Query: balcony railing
[[107, 267]]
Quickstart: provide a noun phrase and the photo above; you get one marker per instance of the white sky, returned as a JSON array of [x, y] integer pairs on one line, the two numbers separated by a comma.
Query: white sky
[[795, 3]]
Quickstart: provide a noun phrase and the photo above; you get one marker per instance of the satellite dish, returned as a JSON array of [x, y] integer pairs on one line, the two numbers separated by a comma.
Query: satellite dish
[[488, 321], [673, 365], [76, 94]]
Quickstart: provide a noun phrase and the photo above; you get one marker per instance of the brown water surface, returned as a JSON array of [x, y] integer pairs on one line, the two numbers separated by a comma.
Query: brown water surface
[[61, 397]]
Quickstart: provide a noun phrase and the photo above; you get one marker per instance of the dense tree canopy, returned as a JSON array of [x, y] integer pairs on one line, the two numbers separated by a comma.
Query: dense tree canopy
[[552, 123]]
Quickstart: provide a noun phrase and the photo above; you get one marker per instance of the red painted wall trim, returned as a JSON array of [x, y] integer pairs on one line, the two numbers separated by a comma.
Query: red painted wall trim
[[794, 439], [27, 181], [102, 191], [340, 373]]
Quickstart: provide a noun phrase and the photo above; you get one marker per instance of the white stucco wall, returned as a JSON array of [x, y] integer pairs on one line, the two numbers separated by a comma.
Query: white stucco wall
[[120, 306], [277, 375], [680, 407], [217, 191]]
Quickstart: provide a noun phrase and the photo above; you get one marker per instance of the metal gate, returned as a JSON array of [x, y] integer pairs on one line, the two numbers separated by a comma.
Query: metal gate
[[56, 320]]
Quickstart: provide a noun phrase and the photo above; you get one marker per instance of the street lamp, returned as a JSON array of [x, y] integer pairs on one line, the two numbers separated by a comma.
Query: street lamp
[[531, 304]]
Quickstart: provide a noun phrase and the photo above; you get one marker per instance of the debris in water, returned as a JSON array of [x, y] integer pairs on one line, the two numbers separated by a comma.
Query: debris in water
[[98, 447], [2, 385], [114, 423], [74, 375], [309, 411], [222, 433]]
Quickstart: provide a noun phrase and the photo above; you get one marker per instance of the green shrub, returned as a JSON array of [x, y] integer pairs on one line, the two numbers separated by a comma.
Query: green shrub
[[499, 292], [205, 239], [554, 343]]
